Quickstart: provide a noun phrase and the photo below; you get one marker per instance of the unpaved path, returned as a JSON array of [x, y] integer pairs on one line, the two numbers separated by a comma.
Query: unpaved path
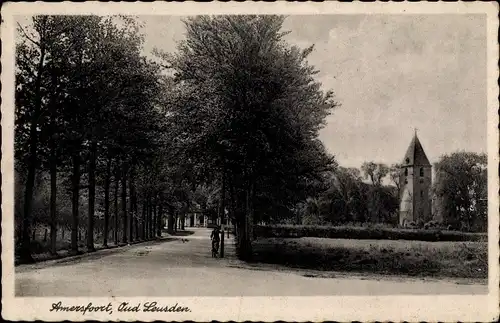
[[184, 267]]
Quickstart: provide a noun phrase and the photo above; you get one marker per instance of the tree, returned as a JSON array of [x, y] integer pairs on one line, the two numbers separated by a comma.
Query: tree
[[376, 172], [248, 106], [461, 190], [32, 61], [352, 193], [395, 176], [82, 82]]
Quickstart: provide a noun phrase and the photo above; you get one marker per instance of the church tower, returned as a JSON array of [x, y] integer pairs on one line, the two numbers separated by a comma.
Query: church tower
[[415, 182]]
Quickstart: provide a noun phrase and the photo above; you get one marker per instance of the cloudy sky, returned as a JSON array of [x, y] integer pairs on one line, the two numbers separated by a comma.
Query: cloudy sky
[[391, 74]]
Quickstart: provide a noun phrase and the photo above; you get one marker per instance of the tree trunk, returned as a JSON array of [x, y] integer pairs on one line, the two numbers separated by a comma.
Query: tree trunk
[[241, 236], [232, 204], [25, 252], [53, 193], [117, 183], [247, 225], [148, 216], [144, 218], [170, 224], [251, 217], [91, 214], [136, 217], [159, 219], [107, 184], [131, 203], [124, 204], [154, 221], [223, 213], [75, 202], [182, 220]]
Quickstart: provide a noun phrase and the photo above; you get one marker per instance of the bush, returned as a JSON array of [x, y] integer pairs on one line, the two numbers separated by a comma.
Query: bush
[[375, 233], [412, 258]]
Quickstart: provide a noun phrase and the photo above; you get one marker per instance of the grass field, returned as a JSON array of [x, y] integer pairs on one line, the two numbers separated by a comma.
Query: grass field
[[391, 257]]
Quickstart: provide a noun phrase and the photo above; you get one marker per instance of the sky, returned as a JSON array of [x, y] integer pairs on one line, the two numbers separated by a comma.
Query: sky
[[391, 74]]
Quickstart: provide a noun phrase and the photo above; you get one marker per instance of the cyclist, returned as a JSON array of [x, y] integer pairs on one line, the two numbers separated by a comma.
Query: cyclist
[[215, 237]]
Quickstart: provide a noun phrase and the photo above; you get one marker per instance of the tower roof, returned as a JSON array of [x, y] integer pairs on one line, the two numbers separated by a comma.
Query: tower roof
[[415, 155]]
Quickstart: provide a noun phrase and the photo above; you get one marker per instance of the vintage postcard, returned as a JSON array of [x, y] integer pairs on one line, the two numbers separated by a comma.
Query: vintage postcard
[[250, 161]]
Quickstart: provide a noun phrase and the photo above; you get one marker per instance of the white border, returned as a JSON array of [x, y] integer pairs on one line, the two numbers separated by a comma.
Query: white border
[[338, 308]]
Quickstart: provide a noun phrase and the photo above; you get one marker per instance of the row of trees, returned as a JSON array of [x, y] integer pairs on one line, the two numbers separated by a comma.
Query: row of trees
[[232, 123], [372, 194], [248, 116], [90, 119], [352, 195], [229, 121]]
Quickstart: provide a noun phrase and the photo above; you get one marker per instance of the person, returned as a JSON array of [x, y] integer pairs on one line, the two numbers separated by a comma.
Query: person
[[215, 237]]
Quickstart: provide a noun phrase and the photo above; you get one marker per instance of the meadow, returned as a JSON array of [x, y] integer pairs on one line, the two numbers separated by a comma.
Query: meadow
[[464, 259]]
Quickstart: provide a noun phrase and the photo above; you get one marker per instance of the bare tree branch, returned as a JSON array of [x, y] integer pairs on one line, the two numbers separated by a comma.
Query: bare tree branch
[[26, 35]]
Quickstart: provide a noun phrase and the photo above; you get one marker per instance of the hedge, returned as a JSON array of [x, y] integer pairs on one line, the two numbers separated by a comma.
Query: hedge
[[348, 232]]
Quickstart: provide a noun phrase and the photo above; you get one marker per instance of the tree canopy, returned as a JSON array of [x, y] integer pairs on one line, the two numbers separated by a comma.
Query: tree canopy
[[250, 110]]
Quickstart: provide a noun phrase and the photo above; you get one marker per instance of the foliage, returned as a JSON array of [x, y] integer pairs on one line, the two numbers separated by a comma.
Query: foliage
[[87, 113], [375, 172], [409, 258], [344, 197], [461, 191], [247, 109], [359, 232], [107, 141]]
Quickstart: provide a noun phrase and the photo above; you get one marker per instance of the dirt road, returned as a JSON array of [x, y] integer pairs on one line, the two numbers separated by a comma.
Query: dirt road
[[184, 267]]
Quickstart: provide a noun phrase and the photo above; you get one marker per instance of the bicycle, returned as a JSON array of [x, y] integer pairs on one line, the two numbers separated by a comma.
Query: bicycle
[[215, 248]]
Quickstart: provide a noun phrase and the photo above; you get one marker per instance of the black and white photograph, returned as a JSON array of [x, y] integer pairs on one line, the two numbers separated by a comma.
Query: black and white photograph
[[155, 163]]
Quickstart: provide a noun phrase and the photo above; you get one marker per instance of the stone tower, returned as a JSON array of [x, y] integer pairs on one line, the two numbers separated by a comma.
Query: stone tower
[[415, 183]]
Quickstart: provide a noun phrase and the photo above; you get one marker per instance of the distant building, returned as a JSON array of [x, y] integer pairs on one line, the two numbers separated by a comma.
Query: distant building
[[415, 182]]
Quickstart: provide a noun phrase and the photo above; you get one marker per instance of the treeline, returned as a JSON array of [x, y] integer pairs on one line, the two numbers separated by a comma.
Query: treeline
[[354, 196], [460, 191], [249, 116], [109, 144], [91, 131], [229, 122], [372, 195]]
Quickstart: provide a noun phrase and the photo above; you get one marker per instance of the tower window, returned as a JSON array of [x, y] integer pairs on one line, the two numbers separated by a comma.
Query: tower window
[[421, 193], [421, 172], [406, 171]]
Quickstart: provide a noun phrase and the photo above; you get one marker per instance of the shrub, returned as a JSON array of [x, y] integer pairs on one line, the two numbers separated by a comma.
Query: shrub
[[446, 259], [375, 233]]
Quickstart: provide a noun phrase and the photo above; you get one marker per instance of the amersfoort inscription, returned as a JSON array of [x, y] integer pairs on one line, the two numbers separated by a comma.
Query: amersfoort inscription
[[122, 307]]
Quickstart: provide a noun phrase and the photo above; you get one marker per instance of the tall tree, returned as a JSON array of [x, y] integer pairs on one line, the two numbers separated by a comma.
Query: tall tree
[[246, 102], [461, 188], [395, 175], [376, 172], [81, 81], [32, 74]]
